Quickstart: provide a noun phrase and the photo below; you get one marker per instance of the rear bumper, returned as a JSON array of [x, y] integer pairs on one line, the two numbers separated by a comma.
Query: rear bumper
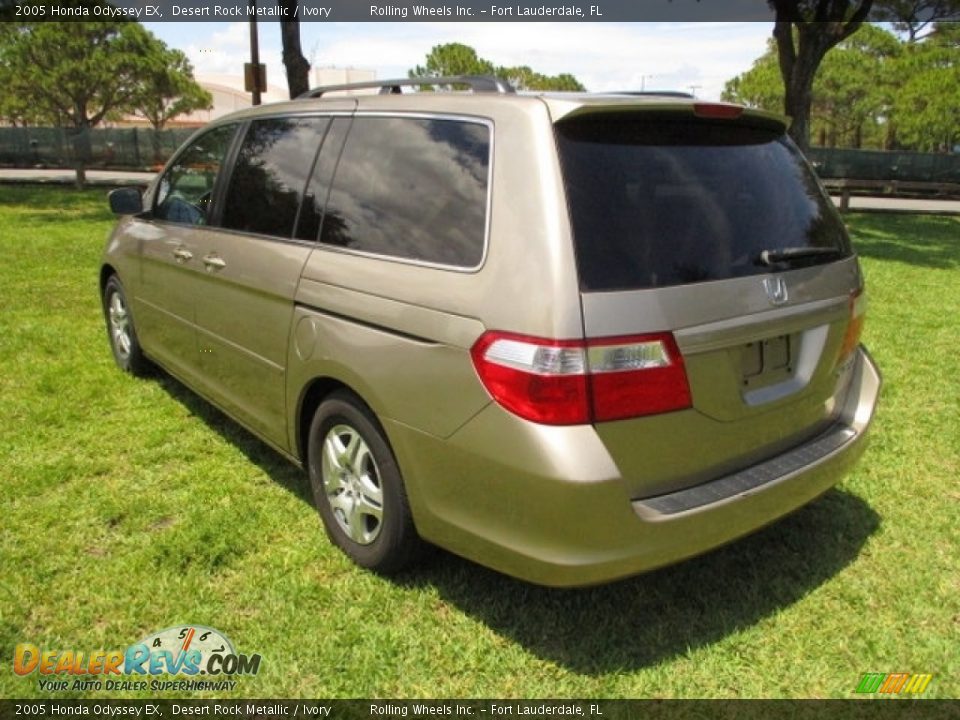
[[549, 507]]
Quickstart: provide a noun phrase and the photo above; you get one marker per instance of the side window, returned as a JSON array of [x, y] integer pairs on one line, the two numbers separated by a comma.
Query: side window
[[412, 188], [315, 196], [270, 174], [185, 190]]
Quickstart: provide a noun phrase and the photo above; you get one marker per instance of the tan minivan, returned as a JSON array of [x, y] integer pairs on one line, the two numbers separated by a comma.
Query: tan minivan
[[570, 337]]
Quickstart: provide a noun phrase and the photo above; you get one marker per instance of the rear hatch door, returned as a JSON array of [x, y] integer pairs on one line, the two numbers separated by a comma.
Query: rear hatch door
[[710, 226]]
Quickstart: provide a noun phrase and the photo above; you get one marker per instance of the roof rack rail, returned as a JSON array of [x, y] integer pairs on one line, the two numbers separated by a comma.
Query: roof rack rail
[[477, 83]]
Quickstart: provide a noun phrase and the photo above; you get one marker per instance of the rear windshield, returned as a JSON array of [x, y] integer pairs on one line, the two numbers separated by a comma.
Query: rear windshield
[[658, 201]]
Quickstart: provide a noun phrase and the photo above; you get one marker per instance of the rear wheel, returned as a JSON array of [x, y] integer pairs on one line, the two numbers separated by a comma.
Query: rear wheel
[[357, 486], [120, 329]]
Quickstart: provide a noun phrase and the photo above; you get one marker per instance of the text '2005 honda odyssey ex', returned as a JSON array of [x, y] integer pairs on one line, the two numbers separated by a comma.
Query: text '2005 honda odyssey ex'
[[570, 337]]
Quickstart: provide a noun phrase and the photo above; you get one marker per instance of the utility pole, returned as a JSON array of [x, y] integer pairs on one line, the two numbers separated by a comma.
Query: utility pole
[[693, 89]]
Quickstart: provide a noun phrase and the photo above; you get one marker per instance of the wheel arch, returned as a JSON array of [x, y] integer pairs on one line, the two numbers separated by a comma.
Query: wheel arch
[[106, 271], [311, 396]]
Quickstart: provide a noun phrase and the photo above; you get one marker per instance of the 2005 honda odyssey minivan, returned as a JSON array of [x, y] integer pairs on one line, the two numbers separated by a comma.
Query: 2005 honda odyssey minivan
[[570, 337]]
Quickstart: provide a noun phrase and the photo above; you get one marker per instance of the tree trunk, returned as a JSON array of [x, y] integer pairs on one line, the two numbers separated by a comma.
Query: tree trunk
[[797, 106], [298, 69], [798, 67], [804, 32], [80, 139], [155, 136], [890, 141]]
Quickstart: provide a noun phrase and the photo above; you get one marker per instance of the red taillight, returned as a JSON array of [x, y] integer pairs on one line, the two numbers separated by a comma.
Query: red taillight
[[637, 375], [719, 111], [540, 380], [858, 313], [572, 382]]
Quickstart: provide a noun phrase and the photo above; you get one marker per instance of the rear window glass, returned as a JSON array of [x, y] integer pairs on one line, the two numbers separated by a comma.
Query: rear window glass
[[657, 201], [412, 188]]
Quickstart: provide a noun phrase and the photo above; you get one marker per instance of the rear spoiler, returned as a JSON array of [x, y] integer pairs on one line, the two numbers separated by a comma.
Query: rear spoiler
[[562, 110]]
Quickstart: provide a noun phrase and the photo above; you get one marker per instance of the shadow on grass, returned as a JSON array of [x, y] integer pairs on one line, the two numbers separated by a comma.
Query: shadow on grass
[[645, 620], [632, 623], [926, 240], [280, 470]]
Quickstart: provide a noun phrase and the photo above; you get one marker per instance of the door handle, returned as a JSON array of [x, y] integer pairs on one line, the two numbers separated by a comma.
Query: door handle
[[181, 253], [214, 262]]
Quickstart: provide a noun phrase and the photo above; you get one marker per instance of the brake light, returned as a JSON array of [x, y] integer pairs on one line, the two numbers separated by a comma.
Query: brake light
[[717, 111], [858, 313], [573, 382]]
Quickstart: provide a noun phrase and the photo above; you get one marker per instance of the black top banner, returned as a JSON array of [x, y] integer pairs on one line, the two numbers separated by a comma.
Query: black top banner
[[392, 10], [402, 10]]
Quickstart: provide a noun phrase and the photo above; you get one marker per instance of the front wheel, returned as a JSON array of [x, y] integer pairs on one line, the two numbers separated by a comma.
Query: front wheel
[[120, 330], [357, 486]]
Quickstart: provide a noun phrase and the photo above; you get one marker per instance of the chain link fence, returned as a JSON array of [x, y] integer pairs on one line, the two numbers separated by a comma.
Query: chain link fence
[[144, 149], [882, 165], [120, 148]]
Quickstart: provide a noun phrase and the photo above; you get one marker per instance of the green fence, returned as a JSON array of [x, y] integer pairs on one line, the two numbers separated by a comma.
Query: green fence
[[881, 165], [143, 148], [133, 148]]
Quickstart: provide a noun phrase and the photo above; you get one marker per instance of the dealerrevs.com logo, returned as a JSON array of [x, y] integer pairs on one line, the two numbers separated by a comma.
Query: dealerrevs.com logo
[[186, 651]]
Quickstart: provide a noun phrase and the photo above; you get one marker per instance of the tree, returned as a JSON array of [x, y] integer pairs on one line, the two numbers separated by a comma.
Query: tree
[[459, 59], [804, 31], [297, 67], [852, 92], [854, 88], [761, 86], [523, 78], [872, 86], [927, 105], [914, 16], [76, 74], [452, 59], [167, 89]]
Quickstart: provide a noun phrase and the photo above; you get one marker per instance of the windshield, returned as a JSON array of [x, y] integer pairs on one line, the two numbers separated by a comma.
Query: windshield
[[660, 200]]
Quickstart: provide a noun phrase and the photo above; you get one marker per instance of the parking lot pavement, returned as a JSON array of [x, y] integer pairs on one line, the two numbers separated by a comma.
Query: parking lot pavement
[[905, 205], [69, 176]]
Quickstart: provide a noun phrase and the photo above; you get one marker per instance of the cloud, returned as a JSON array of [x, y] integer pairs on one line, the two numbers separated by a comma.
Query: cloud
[[604, 56]]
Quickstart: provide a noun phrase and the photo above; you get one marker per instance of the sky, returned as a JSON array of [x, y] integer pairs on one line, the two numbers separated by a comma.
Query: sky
[[697, 57]]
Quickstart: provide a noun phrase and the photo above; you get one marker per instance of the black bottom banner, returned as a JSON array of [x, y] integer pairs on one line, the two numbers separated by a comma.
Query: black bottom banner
[[482, 709]]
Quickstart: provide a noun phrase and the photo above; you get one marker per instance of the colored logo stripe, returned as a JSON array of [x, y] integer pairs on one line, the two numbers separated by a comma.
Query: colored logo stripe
[[893, 683]]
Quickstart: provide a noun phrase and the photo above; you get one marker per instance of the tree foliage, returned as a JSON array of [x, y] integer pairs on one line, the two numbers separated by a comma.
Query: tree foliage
[[916, 18], [459, 59], [872, 90], [852, 92], [167, 88], [452, 59], [78, 74], [523, 78], [927, 103]]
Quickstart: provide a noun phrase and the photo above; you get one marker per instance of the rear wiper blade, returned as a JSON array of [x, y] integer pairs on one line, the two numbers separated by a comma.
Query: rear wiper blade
[[790, 254]]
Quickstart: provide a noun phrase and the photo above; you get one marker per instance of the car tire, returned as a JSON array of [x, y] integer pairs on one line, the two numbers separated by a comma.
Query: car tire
[[357, 486], [121, 331]]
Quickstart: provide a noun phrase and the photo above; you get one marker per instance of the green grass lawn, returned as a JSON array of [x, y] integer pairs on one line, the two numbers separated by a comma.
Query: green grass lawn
[[130, 506]]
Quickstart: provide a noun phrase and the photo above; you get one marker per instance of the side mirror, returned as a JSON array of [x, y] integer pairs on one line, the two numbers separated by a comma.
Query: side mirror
[[126, 201]]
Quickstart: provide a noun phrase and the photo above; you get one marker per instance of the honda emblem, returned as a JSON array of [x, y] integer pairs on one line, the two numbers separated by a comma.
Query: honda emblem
[[776, 289]]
